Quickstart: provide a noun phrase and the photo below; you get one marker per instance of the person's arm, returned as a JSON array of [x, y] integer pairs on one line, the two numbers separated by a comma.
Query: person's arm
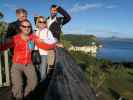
[[41, 44], [13, 29], [10, 30], [50, 38], [66, 17]]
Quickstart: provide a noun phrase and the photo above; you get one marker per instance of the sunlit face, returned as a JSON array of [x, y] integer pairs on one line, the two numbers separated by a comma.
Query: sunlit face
[[53, 11], [41, 23], [21, 16], [25, 27]]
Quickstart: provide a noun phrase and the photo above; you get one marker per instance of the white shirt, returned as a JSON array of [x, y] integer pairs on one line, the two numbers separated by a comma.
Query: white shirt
[[47, 37], [50, 21]]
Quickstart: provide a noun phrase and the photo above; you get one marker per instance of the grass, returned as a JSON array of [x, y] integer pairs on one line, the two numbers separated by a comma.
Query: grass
[[119, 83], [116, 79]]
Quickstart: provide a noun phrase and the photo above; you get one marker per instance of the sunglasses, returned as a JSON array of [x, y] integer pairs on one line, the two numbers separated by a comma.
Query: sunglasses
[[26, 26], [42, 22]]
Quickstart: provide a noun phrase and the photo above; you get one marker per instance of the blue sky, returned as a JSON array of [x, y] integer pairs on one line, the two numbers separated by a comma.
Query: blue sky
[[103, 18]]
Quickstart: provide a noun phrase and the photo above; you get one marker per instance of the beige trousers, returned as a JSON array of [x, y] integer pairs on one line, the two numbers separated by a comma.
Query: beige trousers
[[51, 57], [51, 61], [17, 83]]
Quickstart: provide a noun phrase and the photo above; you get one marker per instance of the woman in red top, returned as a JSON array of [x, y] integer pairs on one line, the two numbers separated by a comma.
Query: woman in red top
[[22, 63]]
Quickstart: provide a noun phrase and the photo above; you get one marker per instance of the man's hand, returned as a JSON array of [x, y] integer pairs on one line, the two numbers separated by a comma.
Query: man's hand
[[57, 8], [60, 45]]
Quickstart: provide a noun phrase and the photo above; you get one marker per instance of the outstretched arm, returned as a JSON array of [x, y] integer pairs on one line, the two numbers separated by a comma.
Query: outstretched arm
[[41, 44]]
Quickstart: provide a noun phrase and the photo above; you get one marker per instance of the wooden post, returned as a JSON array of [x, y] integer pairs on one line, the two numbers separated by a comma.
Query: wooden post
[[0, 71], [4, 65], [7, 83]]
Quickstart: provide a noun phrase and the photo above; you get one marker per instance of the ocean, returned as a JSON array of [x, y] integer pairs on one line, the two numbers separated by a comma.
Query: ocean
[[116, 49]]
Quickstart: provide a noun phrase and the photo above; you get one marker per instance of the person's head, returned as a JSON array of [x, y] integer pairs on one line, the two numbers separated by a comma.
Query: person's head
[[21, 14], [41, 22], [25, 27], [53, 10]]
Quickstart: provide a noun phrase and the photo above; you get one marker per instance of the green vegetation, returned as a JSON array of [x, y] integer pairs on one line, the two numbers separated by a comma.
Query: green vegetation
[[1, 15], [81, 40], [3, 24], [110, 81]]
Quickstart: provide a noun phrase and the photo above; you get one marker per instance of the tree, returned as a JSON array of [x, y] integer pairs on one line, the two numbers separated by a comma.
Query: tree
[[3, 24], [1, 15]]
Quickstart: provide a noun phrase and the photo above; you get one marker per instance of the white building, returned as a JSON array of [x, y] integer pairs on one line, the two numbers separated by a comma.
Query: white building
[[86, 49]]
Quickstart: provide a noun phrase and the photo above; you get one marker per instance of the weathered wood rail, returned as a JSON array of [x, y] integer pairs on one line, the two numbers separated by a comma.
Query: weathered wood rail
[[4, 69], [68, 81]]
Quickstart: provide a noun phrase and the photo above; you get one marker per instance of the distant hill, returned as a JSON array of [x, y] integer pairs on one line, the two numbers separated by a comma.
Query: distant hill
[[81, 40], [127, 40]]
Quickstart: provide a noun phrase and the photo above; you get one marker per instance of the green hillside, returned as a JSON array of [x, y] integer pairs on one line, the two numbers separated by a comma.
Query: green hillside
[[80, 40], [110, 81]]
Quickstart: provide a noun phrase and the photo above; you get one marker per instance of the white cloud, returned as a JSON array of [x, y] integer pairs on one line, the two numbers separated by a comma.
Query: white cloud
[[84, 7], [77, 7], [11, 6], [111, 6], [106, 32], [102, 30]]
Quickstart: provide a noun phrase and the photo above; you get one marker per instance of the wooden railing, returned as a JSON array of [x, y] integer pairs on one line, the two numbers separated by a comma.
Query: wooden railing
[[4, 69], [68, 81]]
